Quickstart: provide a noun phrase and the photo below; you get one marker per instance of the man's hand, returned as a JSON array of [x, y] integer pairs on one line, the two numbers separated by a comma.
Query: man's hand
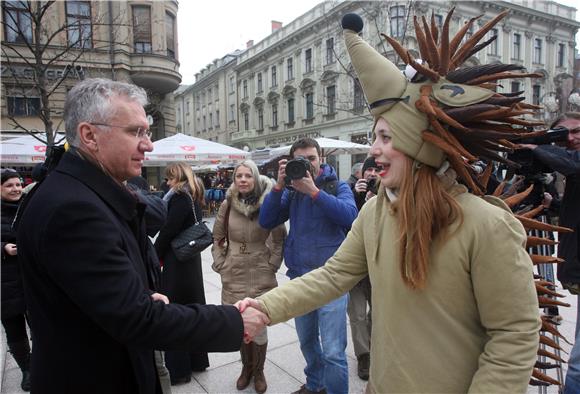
[[160, 297], [528, 146], [305, 185], [11, 249], [254, 323], [281, 182], [248, 303], [547, 201], [361, 185]]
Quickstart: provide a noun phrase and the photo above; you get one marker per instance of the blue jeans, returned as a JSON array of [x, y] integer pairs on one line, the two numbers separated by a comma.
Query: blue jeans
[[572, 385], [322, 335]]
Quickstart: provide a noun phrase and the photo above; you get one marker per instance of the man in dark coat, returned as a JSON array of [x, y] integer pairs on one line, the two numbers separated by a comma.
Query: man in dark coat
[[94, 319]]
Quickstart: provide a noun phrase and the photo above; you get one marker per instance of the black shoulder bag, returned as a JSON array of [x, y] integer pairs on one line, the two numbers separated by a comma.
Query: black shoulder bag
[[194, 239]]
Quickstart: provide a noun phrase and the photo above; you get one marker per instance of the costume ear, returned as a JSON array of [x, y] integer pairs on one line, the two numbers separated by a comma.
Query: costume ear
[[87, 136]]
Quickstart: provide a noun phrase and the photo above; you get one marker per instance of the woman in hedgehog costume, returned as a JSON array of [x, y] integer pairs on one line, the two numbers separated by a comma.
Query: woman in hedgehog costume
[[455, 308]]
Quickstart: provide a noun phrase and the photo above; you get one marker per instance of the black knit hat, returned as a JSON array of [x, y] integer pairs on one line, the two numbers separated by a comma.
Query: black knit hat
[[369, 163]]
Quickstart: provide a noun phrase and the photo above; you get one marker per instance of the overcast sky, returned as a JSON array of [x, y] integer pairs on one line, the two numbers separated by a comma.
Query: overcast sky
[[209, 29]]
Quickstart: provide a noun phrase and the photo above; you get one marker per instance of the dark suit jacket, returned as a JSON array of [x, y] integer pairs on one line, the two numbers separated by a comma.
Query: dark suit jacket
[[94, 324]]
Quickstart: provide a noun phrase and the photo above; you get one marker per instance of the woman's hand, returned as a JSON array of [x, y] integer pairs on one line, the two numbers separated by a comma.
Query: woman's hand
[[10, 249]]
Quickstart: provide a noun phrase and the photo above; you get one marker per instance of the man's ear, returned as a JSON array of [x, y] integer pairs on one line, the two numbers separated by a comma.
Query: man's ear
[[87, 136]]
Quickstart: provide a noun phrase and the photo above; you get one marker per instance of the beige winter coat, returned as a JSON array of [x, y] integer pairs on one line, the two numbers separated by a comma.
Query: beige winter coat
[[473, 329], [248, 265]]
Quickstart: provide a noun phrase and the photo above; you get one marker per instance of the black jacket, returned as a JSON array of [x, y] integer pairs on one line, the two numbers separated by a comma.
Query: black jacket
[[12, 293], [82, 242], [566, 162]]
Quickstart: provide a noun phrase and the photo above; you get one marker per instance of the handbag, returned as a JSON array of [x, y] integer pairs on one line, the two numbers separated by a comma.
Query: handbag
[[192, 240]]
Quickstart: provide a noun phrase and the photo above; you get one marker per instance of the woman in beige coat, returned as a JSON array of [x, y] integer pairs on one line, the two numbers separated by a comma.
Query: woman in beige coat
[[247, 257]]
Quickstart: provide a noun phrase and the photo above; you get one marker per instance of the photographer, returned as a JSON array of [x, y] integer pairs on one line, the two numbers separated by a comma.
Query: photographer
[[321, 210], [366, 186], [567, 162]]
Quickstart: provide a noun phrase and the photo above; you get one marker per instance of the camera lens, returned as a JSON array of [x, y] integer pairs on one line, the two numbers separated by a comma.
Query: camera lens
[[297, 168]]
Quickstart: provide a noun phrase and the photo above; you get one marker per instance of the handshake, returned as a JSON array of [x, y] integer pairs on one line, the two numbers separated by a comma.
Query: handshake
[[255, 320]]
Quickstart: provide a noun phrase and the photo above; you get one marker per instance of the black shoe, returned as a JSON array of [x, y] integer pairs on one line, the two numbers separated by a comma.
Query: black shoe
[[182, 380], [25, 384], [304, 390], [364, 364]]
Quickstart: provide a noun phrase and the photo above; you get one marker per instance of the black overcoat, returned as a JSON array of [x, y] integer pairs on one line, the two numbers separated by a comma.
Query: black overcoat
[[94, 324], [12, 293]]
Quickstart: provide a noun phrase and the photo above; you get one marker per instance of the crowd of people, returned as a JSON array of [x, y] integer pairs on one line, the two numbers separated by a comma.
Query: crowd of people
[[434, 277]]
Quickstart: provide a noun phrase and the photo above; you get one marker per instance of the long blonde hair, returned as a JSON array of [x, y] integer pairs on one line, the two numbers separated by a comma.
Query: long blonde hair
[[425, 211], [186, 181]]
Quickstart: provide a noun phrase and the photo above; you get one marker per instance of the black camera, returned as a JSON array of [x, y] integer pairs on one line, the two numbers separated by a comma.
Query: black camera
[[530, 166], [372, 185], [297, 168]]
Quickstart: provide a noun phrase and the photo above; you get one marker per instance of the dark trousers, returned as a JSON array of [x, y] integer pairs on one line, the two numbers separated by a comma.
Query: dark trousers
[[15, 327]]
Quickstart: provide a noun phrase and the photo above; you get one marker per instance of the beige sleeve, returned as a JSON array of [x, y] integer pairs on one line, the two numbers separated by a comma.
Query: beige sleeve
[[218, 249], [340, 273], [275, 243], [503, 285]]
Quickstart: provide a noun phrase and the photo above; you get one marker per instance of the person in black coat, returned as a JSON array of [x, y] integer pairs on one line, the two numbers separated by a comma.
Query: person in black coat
[[83, 251], [182, 281], [13, 306]]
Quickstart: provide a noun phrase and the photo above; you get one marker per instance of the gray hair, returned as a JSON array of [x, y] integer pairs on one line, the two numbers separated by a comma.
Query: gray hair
[[356, 168], [258, 187], [90, 101]]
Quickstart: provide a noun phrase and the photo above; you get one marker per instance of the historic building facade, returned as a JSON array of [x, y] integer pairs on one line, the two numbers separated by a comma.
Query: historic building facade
[[298, 81], [134, 41]]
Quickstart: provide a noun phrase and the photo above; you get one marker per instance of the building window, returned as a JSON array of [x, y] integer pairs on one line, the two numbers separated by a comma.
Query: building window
[[397, 14], [274, 77], [245, 88], [210, 120], [331, 99], [274, 115], [142, 29], [308, 60], [536, 89], [359, 98], [209, 96], [170, 34], [309, 105], [493, 46], [17, 22], [290, 69], [232, 112], [204, 123], [561, 54], [79, 24], [23, 106], [217, 118], [291, 110], [260, 119], [515, 86], [517, 46], [246, 121], [260, 83], [538, 50], [330, 50]]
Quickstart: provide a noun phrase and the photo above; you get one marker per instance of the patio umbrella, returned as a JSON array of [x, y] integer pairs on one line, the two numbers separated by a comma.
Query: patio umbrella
[[329, 147], [24, 150], [181, 147]]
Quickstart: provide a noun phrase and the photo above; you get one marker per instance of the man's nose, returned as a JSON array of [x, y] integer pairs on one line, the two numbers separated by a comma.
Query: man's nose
[[146, 145]]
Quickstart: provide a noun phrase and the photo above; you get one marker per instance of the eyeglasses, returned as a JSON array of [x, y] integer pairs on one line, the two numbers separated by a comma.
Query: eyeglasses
[[139, 132]]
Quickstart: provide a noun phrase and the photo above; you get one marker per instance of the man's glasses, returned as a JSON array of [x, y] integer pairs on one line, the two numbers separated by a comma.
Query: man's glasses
[[139, 132]]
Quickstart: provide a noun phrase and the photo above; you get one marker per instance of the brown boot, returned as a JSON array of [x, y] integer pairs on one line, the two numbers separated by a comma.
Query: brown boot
[[259, 379], [247, 352]]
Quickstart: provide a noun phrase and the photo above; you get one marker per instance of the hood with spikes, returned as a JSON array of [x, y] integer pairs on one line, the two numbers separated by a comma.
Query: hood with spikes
[[444, 111]]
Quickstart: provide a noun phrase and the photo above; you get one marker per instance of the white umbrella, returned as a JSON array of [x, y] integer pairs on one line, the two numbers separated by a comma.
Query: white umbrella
[[24, 150], [181, 147], [329, 147]]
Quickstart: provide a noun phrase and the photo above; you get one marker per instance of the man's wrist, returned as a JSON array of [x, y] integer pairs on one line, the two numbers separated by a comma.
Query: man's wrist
[[315, 194], [278, 188]]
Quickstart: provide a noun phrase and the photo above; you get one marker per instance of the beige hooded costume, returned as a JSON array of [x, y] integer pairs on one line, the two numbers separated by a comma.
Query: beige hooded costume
[[474, 327]]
